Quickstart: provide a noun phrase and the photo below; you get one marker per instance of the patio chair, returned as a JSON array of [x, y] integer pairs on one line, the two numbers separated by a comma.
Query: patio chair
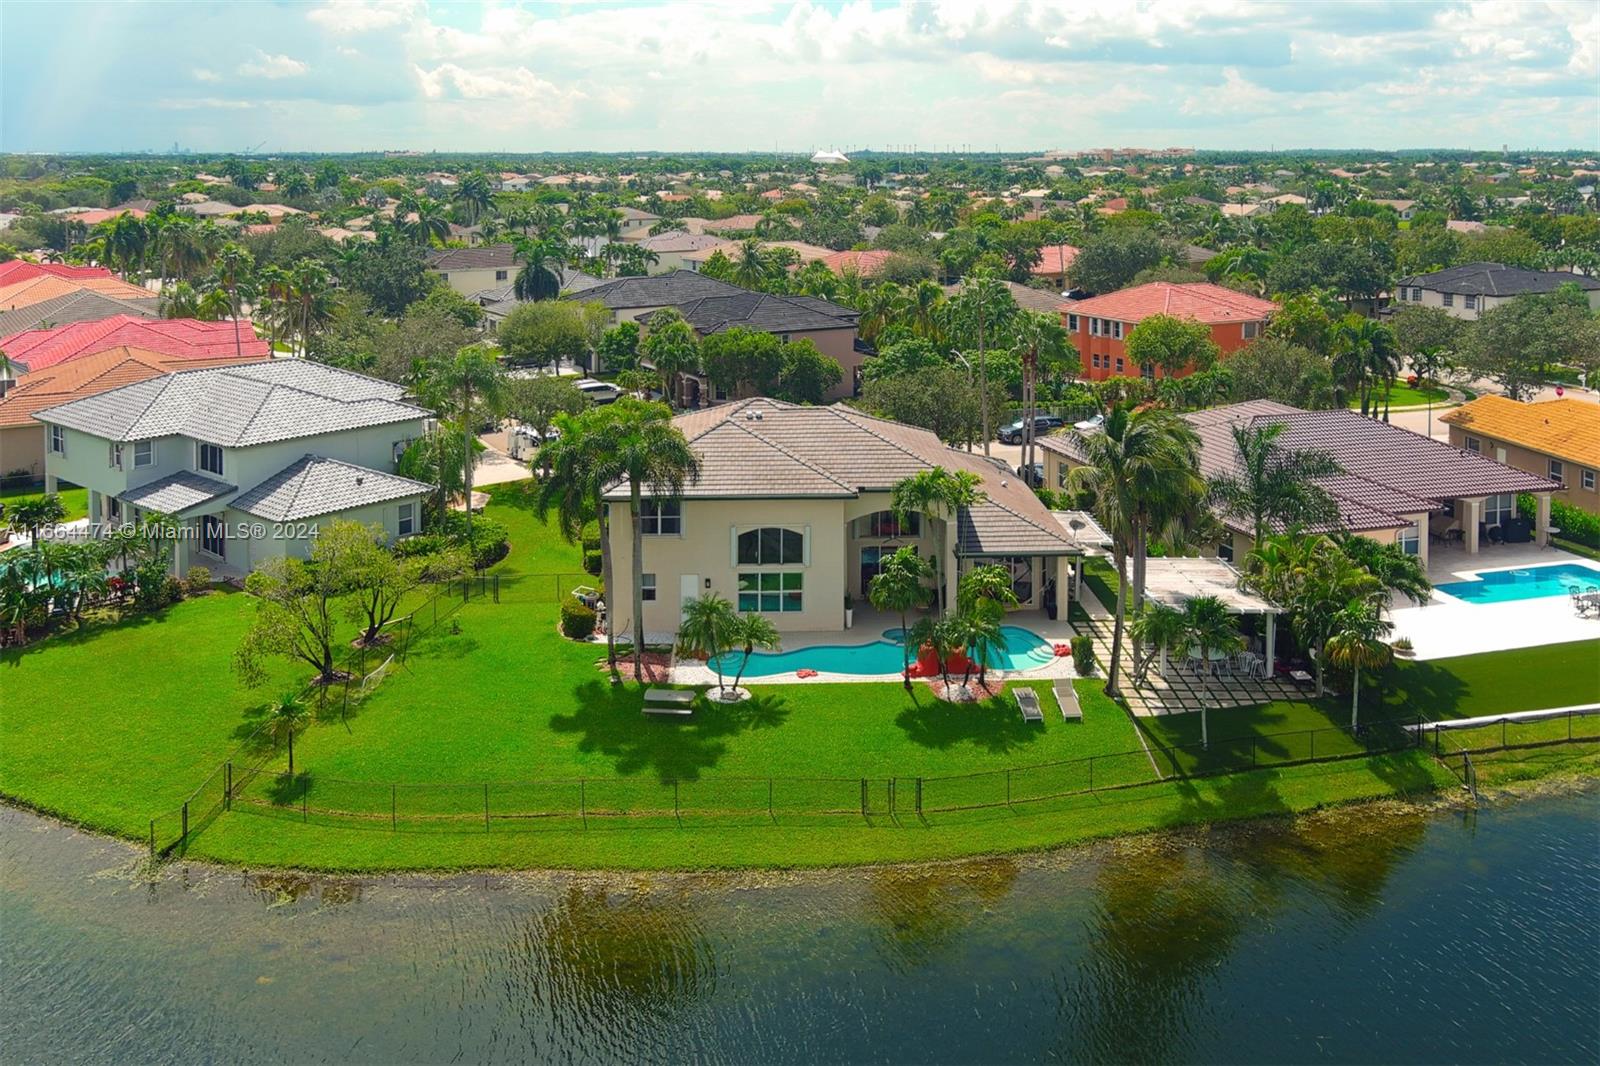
[[1028, 703], [1067, 700]]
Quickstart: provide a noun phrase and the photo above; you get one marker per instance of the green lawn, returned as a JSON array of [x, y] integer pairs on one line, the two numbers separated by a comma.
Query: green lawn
[[74, 499], [120, 723], [1403, 395]]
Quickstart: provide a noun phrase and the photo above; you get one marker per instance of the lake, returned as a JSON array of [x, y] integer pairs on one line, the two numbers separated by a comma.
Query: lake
[[1385, 933]]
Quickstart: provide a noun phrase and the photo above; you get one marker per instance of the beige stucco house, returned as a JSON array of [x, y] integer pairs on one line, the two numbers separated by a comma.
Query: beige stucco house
[[1556, 439], [472, 270]]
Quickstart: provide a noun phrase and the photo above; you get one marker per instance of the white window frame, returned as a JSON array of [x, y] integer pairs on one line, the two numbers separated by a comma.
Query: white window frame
[[1471, 301], [115, 458], [221, 541], [1495, 514], [1409, 539], [1249, 330], [1557, 471], [650, 525], [1072, 323], [405, 521], [1474, 445], [647, 587], [148, 447], [782, 574], [1416, 295], [200, 458], [58, 440], [1587, 480]]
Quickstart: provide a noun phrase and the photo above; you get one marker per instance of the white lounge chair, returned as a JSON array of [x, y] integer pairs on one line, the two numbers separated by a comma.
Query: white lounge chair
[[1067, 700], [669, 701], [1028, 703]]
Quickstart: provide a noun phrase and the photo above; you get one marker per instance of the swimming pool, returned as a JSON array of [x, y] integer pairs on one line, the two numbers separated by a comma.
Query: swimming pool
[[1024, 650], [1523, 583]]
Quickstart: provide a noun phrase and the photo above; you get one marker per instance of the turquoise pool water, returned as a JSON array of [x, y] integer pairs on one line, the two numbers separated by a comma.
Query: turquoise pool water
[[1024, 649], [1523, 583]]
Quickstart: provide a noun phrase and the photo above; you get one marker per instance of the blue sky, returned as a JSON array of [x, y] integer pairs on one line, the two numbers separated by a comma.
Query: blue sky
[[620, 75]]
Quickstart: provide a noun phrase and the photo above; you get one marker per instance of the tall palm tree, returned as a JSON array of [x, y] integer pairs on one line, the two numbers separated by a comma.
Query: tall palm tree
[[1158, 628], [1364, 353], [1358, 644], [429, 223], [1271, 485], [652, 455], [540, 276], [1039, 339], [1312, 580], [1130, 468], [1209, 628], [234, 265], [980, 308], [751, 267], [899, 588], [127, 240], [474, 195], [467, 384], [309, 287], [708, 628], [922, 310], [939, 495]]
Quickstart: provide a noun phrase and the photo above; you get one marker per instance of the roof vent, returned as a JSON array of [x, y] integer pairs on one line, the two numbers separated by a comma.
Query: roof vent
[[361, 479]]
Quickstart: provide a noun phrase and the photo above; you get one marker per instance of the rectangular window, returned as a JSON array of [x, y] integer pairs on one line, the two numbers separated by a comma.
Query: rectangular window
[[771, 593], [1474, 444], [1072, 323], [1472, 302], [1449, 299], [116, 455], [144, 453], [1121, 364], [661, 518], [1094, 327], [406, 524], [647, 587], [1588, 480], [1116, 330], [1148, 371], [499, 275], [1497, 509], [1558, 471], [1408, 539], [887, 524], [210, 459], [1250, 330], [212, 541], [1416, 295], [58, 440]]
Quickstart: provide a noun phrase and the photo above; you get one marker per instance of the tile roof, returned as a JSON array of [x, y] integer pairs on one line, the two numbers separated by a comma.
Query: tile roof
[[15, 270], [733, 223], [865, 263], [1027, 297], [1388, 472], [766, 312], [1494, 279], [679, 241], [183, 338], [1055, 259], [176, 493], [313, 486], [483, 257], [84, 305], [48, 287], [88, 376], [671, 289], [767, 449], [238, 406], [1200, 301], [1567, 429]]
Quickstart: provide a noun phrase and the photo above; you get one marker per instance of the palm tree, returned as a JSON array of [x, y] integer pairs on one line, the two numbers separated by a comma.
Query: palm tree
[[752, 631], [939, 495], [285, 715], [751, 269], [274, 287], [980, 307], [1364, 353], [234, 264], [309, 287], [180, 301], [475, 196], [540, 276], [1138, 468], [1312, 580], [672, 347], [1395, 570], [898, 588], [466, 385], [1272, 486], [295, 185], [652, 454], [709, 628], [981, 601], [1358, 644], [1157, 628], [880, 306], [1209, 628], [1039, 339], [430, 223], [127, 240]]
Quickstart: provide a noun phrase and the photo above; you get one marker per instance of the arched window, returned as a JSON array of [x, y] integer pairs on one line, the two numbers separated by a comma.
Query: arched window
[[771, 546]]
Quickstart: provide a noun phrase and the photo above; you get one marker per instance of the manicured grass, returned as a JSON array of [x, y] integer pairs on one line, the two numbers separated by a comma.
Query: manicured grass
[[74, 499], [1403, 395], [114, 725], [1101, 577]]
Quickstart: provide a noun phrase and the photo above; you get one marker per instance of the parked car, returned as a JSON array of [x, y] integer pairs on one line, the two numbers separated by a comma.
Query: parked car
[[1042, 424], [598, 391], [1032, 477], [1090, 423]]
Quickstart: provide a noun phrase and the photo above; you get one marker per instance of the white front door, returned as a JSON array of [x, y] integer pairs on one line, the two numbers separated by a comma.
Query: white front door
[[688, 589]]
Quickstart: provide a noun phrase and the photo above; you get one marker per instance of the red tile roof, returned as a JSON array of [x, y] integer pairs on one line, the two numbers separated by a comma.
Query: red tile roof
[[1055, 259], [92, 375], [865, 264], [1198, 300], [180, 338], [21, 270]]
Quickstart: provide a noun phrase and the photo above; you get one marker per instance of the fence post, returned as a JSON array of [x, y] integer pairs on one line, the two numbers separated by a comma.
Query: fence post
[[583, 803], [1313, 754], [891, 797], [1502, 732], [305, 799], [152, 838], [1569, 725], [919, 797], [769, 801], [394, 817], [675, 812], [486, 806], [863, 797], [1091, 773], [227, 786], [1008, 786]]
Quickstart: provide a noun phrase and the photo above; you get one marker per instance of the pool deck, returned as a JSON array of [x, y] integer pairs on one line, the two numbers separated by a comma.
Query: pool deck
[[1447, 626], [868, 629]]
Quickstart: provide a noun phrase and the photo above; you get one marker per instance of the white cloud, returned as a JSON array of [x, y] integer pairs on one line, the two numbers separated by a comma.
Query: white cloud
[[273, 66], [202, 74], [355, 16]]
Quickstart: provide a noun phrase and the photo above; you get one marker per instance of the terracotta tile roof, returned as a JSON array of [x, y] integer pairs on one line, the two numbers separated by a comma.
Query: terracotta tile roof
[[1200, 301], [731, 223], [47, 287], [89, 376], [1567, 429], [180, 338], [865, 264], [767, 449], [17, 270], [1055, 259]]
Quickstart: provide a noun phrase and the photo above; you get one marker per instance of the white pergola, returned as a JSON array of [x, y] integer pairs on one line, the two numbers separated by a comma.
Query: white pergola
[[1174, 582]]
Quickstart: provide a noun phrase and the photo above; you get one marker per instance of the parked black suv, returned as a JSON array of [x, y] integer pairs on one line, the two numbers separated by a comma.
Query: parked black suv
[[1042, 424]]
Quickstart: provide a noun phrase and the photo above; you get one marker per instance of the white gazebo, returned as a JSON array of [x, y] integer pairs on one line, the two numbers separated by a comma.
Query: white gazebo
[[1176, 581]]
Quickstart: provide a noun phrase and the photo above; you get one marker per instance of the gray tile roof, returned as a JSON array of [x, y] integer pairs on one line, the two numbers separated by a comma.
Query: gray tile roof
[[313, 486], [1496, 279], [483, 257], [241, 405], [85, 305], [658, 290], [767, 449], [765, 312], [176, 493]]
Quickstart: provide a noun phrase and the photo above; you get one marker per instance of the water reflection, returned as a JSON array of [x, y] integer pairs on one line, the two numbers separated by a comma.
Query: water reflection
[[920, 912]]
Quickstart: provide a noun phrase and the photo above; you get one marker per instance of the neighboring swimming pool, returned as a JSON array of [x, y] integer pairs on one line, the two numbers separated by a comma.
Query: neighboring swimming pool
[[1523, 583], [1024, 650]]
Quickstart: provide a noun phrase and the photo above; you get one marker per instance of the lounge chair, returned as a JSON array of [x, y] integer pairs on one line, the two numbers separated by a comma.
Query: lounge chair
[[1028, 704], [1067, 700], [669, 701]]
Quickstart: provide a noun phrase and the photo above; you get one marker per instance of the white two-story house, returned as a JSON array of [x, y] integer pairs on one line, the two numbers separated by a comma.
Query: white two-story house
[[249, 461]]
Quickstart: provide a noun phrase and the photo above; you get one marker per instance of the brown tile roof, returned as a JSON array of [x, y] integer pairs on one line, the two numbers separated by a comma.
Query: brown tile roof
[[483, 257], [1567, 429], [45, 287], [767, 449]]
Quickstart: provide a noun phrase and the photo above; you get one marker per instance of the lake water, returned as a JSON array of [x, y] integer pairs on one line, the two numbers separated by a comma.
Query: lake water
[[1388, 934]]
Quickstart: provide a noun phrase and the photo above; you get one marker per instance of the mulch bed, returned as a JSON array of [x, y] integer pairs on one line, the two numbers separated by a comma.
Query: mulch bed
[[978, 692], [655, 666]]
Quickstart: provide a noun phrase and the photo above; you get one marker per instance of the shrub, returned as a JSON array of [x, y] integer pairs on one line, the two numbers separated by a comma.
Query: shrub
[[490, 539], [1083, 655], [1576, 524], [577, 621], [592, 562], [198, 581]]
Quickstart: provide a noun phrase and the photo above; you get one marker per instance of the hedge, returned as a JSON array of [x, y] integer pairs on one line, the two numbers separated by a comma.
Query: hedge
[[577, 621], [1576, 524]]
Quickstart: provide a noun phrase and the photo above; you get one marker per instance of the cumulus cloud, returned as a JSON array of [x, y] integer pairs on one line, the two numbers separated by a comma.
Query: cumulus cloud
[[273, 66], [202, 74]]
